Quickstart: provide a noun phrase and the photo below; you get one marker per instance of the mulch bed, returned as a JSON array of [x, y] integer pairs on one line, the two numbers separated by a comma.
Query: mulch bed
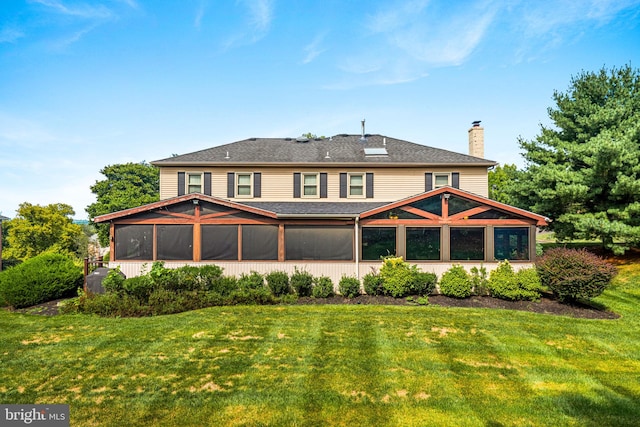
[[546, 305]]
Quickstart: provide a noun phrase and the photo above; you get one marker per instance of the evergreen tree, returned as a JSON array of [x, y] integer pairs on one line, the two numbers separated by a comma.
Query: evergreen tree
[[584, 172]]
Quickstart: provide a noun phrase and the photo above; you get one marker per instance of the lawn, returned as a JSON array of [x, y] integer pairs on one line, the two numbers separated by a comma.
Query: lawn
[[333, 365]]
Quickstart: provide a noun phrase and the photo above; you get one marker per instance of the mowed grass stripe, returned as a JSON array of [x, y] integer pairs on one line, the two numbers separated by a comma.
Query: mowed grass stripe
[[331, 365]]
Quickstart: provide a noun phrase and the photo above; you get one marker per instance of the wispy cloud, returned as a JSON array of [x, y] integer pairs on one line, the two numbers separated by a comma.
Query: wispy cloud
[[259, 15], [200, 11], [80, 10], [314, 49], [10, 34]]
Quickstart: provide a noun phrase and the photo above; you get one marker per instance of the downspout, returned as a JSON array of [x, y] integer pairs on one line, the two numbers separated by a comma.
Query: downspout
[[357, 248]]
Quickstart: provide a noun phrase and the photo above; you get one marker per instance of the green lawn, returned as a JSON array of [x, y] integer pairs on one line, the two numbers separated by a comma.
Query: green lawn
[[332, 365]]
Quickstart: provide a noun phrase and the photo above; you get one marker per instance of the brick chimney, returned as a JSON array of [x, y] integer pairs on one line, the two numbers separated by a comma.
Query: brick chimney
[[476, 140]]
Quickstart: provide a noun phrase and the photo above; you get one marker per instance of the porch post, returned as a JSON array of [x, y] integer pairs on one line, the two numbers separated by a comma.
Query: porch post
[[357, 245]]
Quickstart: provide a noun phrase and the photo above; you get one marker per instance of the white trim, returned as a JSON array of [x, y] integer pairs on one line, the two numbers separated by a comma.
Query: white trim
[[237, 185]]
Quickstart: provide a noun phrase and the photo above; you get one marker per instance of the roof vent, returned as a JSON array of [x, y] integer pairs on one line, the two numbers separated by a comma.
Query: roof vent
[[476, 123], [363, 138], [302, 139], [227, 156]]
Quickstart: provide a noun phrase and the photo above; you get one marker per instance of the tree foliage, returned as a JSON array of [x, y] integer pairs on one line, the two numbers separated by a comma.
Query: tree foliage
[[499, 180], [126, 186], [584, 172], [37, 229]]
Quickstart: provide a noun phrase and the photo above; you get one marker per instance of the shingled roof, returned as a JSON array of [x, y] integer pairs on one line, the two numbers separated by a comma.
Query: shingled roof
[[339, 149]]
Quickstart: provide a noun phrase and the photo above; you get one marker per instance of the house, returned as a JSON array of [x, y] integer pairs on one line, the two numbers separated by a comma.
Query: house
[[330, 206]]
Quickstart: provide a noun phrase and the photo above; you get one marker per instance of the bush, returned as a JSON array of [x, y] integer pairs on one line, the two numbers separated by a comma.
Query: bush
[[254, 280], [504, 283], [278, 282], [574, 274], [397, 276], [322, 287], [372, 283], [479, 281], [423, 283], [113, 281], [46, 277], [302, 283], [349, 287], [456, 282]]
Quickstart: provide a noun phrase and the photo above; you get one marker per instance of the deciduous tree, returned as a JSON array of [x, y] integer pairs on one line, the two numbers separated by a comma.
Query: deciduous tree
[[126, 186], [37, 229]]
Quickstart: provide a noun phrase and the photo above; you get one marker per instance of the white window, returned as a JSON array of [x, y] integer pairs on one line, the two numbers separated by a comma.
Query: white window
[[356, 185], [194, 183], [244, 187], [310, 183], [440, 180]]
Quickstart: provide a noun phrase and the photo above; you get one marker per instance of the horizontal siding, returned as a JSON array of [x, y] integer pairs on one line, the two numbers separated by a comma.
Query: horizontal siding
[[390, 184]]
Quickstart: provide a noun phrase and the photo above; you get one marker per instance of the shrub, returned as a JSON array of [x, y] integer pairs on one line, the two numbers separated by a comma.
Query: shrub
[[349, 287], [139, 287], [322, 287], [479, 280], [423, 283], [372, 283], [113, 281], [456, 282], [278, 282], [574, 274], [397, 276], [302, 283], [504, 283], [254, 280], [46, 277]]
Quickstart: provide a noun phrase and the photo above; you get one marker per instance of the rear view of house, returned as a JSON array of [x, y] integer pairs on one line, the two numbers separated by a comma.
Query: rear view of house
[[332, 206]]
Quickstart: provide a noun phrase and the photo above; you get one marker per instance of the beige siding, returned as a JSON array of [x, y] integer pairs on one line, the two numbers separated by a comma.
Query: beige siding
[[390, 184]]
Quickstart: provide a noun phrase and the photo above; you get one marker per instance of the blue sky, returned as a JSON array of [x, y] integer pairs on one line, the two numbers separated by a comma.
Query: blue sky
[[85, 84]]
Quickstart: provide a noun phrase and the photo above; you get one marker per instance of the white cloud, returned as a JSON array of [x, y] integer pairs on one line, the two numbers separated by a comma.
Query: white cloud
[[10, 35], [259, 15], [80, 10], [314, 49]]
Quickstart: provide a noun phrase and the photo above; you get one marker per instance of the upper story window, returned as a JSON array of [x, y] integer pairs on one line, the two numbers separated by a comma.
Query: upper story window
[[310, 183], [440, 180], [356, 185], [244, 186], [194, 183]]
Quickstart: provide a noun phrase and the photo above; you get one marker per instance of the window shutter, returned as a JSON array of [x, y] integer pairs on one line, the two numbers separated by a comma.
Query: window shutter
[[428, 181], [181, 184], [296, 185], [323, 185], [257, 184], [231, 183], [343, 185], [455, 180], [207, 183], [369, 185]]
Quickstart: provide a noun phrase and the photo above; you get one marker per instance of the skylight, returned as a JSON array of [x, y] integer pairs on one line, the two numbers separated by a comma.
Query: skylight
[[381, 151]]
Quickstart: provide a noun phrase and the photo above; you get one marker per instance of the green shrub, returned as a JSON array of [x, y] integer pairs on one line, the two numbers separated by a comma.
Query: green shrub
[[574, 274], [396, 277], [302, 283], [322, 287], [456, 282], [504, 283], [254, 280], [113, 281], [139, 287], [349, 286], [278, 282], [423, 283], [46, 277], [479, 281], [248, 296], [109, 305], [372, 283]]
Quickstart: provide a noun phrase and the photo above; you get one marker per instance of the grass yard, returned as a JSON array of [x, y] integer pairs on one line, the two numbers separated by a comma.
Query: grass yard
[[333, 365]]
